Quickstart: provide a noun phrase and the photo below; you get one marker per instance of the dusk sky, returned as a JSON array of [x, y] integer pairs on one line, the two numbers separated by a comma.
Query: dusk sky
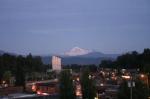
[[54, 26]]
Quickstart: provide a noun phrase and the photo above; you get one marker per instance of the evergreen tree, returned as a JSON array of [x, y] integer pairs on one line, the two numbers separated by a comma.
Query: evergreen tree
[[139, 91], [20, 74], [7, 76], [67, 90], [87, 85]]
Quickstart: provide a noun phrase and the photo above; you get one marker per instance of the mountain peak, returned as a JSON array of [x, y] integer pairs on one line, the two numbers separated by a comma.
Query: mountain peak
[[77, 51]]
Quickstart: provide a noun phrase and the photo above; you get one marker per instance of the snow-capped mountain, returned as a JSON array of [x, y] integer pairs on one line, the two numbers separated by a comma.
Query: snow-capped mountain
[[82, 56], [76, 51]]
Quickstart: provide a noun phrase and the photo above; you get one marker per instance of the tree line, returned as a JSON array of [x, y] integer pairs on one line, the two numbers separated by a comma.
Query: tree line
[[19, 66], [131, 60]]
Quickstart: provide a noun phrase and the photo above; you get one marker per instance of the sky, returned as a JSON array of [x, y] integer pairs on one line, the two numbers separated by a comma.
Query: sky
[[55, 26]]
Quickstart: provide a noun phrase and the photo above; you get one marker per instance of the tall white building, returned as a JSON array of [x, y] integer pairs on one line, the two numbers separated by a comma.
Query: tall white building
[[56, 63]]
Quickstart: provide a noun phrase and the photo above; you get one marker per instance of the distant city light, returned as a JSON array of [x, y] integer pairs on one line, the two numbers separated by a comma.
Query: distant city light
[[142, 75], [78, 79], [90, 76], [39, 92], [44, 93], [101, 84], [33, 87], [126, 77]]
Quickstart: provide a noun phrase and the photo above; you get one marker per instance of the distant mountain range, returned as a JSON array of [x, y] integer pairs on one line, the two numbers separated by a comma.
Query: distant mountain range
[[81, 56], [77, 56], [1, 52]]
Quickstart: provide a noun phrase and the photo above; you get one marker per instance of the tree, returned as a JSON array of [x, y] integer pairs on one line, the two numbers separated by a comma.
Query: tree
[[106, 64], [1, 68], [140, 91], [145, 60], [52, 74], [20, 74], [20, 77], [129, 60], [7, 76], [19, 66], [87, 85], [67, 90]]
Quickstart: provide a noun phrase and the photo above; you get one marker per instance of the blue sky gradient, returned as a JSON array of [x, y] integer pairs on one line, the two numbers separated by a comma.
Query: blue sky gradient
[[54, 26]]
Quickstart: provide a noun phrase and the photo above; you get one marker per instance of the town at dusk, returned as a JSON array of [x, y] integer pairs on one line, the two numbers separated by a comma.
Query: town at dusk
[[74, 49]]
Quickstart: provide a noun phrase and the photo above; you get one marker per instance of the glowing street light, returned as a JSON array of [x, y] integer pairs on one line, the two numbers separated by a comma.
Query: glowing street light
[[90, 76], [126, 77], [142, 75], [147, 80], [101, 84]]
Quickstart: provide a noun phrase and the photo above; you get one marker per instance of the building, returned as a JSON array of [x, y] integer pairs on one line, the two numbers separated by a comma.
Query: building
[[47, 88], [56, 63]]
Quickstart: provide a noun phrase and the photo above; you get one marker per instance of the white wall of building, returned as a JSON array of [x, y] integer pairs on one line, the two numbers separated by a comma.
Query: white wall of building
[[56, 63]]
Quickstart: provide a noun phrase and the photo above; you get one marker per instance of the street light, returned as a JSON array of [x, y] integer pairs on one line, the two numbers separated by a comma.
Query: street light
[[142, 75], [147, 81], [96, 96], [131, 84], [90, 76]]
